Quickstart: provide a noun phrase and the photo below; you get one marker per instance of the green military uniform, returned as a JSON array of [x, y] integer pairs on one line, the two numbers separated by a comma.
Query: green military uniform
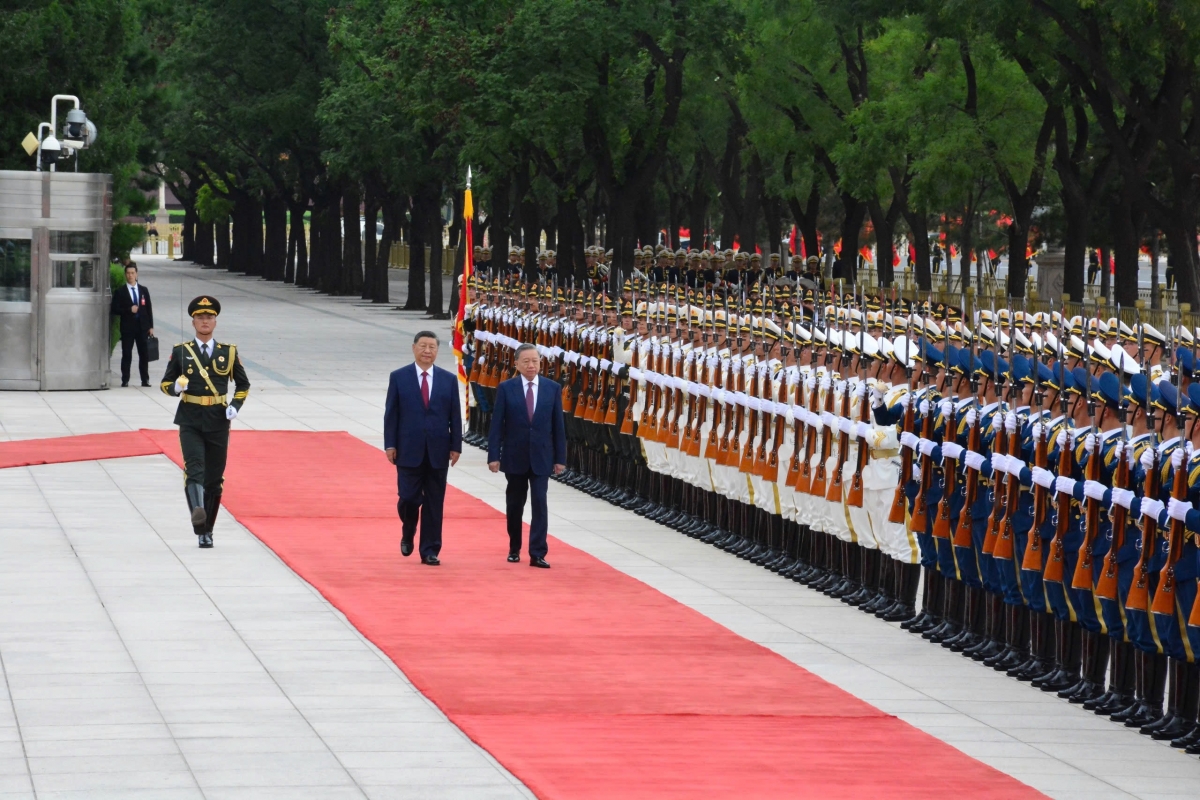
[[203, 415]]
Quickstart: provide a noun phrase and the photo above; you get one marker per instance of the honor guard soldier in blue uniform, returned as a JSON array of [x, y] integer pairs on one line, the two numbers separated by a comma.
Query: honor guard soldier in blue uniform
[[198, 373]]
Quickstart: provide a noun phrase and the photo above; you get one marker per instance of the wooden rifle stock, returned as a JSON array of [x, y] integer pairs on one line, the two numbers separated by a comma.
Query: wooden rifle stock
[[919, 520], [1004, 546], [1164, 598], [854, 496], [1033, 551], [804, 478], [1106, 587], [627, 422], [963, 532], [941, 523], [817, 487], [793, 473], [834, 493], [899, 501], [1062, 508], [1085, 573]]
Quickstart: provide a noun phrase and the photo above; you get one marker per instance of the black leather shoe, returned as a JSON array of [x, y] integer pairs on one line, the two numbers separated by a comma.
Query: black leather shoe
[[538, 562], [514, 558], [146, 384], [430, 561], [406, 543], [124, 384], [206, 540]]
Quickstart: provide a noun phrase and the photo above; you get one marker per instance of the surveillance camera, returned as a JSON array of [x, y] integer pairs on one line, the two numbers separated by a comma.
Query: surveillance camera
[[76, 123], [51, 150]]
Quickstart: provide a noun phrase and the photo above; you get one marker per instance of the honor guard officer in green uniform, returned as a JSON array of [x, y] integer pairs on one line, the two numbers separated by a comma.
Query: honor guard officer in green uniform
[[198, 374]]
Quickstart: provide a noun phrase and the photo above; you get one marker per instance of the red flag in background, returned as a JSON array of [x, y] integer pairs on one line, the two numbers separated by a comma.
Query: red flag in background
[[792, 241], [865, 252], [912, 255], [895, 258]]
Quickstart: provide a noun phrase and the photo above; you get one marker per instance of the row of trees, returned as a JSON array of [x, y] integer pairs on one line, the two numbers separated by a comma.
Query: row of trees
[[999, 125]]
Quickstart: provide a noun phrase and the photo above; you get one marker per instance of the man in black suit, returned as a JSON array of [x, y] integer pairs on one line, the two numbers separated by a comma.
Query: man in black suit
[[527, 441], [422, 435], [132, 304]]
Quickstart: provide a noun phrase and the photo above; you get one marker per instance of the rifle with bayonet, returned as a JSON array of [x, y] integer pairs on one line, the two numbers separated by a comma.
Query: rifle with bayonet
[[1006, 542], [899, 500], [1084, 577], [1066, 464], [1164, 598]]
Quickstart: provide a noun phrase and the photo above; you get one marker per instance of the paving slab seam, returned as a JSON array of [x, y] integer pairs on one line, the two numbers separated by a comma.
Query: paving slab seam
[[113, 626]]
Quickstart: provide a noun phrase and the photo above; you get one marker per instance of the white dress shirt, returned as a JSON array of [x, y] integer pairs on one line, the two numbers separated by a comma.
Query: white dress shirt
[[134, 294], [206, 348]]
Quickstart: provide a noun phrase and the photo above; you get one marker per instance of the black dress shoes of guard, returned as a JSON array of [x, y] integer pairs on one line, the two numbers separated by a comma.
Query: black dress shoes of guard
[[514, 558], [406, 543], [430, 561], [145, 384], [206, 540], [538, 562]]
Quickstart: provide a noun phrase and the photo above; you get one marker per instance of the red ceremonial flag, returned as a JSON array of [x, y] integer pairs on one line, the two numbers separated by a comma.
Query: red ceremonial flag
[[953, 251], [895, 258], [912, 255], [992, 254], [865, 252], [837, 248], [685, 234], [792, 241], [736, 244]]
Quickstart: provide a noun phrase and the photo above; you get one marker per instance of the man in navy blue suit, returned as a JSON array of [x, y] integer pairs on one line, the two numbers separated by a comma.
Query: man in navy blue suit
[[422, 434], [527, 441]]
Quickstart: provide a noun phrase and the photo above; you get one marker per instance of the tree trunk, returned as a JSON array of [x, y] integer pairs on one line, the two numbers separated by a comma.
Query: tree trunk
[[188, 239], [1074, 246], [570, 243], [391, 233], [1125, 228], [1155, 252], [370, 244], [1181, 245], [254, 236], [1018, 259], [918, 228], [498, 221], [203, 244], [224, 246], [416, 255], [289, 264], [276, 242], [302, 248], [646, 220], [316, 237], [436, 303], [621, 236], [351, 273], [331, 241], [855, 212]]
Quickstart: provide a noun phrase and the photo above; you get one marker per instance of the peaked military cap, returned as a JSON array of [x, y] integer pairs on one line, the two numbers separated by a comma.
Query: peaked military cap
[[204, 304]]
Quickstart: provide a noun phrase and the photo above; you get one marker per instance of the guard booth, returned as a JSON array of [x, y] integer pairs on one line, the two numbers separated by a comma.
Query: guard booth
[[54, 285]]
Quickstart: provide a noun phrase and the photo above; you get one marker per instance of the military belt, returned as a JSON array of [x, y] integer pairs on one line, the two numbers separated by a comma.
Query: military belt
[[203, 401]]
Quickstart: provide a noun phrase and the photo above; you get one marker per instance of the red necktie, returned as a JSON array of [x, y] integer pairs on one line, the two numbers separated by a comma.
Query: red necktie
[[425, 388], [529, 399]]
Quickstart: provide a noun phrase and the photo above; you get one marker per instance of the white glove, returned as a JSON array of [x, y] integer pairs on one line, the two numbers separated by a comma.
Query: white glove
[[1177, 458], [1094, 490], [973, 460], [927, 446], [1147, 459], [952, 450], [826, 382], [909, 439], [876, 396], [1060, 441], [1064, 485], [1010, 422], [924, 408], [1118, 451], [1089, 443], [906, 401], [1151, 508], [180, 384], [946, 406], [972, 415], [1036, 431], [860, 390], [810, 383], [916, 476], [1043, 477], [862, 431], [1178, 509], [1013, 466], [230, 413], [1122, 498], [844, 425], [829, 421], [999, 461]]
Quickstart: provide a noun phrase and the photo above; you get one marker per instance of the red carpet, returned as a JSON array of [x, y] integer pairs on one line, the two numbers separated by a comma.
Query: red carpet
[[28, 452], [582, 681]]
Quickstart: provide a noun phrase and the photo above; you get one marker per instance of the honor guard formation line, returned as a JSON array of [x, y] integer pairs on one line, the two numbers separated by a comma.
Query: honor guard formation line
[[1031, 475]]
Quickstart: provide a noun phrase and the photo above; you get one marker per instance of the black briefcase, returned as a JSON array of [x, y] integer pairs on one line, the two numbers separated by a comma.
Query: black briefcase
[[152, 348]]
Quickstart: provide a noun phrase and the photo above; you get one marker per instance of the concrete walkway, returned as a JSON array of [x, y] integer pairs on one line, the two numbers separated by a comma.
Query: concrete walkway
[[139, 666]]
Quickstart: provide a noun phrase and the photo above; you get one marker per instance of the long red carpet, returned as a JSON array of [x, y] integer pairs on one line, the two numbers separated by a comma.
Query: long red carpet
[[581, 680]]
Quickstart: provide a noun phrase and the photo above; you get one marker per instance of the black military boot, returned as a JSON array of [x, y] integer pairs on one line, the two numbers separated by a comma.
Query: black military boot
[[195, 501], [882, 585], [212, 504], [1152, 676], [1095, 665], [951, 613], [907, 580], [1068, 656], [1189, 705], [992, 641], [1120, 683], [1174, 723], [1041, 648]]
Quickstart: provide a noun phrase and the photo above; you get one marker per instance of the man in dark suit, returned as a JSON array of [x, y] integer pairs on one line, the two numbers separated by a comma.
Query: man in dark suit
[[131, 303], [422, 434], [528, 442]]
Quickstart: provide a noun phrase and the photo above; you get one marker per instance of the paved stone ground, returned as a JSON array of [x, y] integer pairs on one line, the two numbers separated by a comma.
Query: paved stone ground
[[138, 666]]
